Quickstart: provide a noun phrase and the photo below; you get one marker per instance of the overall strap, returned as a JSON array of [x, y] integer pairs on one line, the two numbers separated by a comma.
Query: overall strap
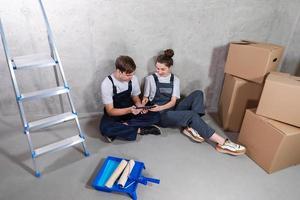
[[130, 85], [155, 79], [114, 87], [172, 79]]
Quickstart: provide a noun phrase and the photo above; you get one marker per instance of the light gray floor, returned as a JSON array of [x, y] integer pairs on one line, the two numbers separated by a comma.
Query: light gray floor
[[187, 170]]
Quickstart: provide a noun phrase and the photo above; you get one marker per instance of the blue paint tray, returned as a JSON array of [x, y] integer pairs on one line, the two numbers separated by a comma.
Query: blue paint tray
[[135, 177]]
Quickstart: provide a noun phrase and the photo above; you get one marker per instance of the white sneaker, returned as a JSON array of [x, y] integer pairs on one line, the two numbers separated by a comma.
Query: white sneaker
[[192, 134], [231, 148]]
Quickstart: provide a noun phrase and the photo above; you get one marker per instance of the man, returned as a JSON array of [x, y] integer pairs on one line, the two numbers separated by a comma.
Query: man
[[120, 95]]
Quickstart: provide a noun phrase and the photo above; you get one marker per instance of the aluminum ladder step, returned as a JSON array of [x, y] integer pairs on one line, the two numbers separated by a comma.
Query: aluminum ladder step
[[43, 93], [33, 61], [68, 142], [50, 121]]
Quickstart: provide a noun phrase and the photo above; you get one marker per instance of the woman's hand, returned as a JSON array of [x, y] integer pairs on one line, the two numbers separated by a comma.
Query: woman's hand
[[145, 101], [157, 108], [144, 111]]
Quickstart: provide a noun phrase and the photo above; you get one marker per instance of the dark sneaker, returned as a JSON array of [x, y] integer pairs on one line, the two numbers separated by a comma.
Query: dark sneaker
[[154, 130], [231, 148]]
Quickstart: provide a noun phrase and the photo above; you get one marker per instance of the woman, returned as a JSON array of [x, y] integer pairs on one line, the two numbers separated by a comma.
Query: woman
[[162, 90]]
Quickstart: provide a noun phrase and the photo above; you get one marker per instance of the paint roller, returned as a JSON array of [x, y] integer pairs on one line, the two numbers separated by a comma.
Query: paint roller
[[123, 179], [115, 175]]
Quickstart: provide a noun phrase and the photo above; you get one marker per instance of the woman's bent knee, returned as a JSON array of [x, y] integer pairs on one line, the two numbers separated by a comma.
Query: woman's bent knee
[[198, 93]]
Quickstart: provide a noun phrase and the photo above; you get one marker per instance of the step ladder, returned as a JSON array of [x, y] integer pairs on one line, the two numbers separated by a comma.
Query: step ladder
[[51, 59]]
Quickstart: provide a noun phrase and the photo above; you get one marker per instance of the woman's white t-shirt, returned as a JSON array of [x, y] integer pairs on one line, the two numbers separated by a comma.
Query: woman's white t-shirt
[[150, 86]]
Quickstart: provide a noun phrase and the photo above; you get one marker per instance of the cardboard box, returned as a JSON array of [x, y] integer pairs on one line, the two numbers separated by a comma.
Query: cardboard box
[[271, 144], [237, 95], [252, 60], [280, 98]]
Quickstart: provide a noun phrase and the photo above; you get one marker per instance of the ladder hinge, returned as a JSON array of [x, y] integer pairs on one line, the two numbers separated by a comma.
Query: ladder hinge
[[26, 128], [14, 65], [75, 113], [82, 136], [19, 98], [56, 62], [33, 154], [67, 87]]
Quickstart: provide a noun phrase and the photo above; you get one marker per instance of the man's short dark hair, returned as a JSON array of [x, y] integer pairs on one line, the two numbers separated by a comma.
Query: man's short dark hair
[[125, 64]]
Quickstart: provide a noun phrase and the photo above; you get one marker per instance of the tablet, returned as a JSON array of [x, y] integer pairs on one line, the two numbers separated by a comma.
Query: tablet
[[145, 107]]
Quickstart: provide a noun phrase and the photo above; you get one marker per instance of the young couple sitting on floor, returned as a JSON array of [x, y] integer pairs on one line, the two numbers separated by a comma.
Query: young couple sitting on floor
[[125, 114]]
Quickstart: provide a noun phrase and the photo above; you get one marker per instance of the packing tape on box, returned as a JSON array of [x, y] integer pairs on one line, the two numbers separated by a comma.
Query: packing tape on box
[[123, 179], [115, 175]]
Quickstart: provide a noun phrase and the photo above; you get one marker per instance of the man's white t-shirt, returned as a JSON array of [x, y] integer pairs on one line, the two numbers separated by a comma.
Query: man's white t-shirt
[[150, 86], [107, 88]]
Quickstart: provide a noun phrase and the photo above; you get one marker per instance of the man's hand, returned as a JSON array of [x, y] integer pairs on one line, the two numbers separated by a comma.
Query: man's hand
[[135, 111]]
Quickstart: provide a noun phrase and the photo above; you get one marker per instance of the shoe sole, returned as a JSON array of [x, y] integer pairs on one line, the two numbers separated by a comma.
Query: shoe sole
[[234, 153], [160, 132], [189, 135], [108, 139]]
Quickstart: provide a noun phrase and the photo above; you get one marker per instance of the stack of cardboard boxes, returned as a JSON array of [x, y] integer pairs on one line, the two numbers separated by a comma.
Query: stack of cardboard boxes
[[271, 133], [246, 67], [271, 129]]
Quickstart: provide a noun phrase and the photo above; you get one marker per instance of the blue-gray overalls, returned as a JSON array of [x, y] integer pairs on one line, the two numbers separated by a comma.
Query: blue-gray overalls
[[113, 127], [187, 113]]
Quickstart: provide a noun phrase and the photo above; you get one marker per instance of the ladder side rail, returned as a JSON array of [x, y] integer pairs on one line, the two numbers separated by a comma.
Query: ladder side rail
[[12, 75], [81, 134], [56, 74], [52, 45], [58, 84], [49, 34], [55, 52], [33, 154], [9, 60], [71, 103]]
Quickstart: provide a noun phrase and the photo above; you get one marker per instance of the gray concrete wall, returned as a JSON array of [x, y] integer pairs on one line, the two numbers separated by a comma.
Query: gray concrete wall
[[291, 62], [90, 34]]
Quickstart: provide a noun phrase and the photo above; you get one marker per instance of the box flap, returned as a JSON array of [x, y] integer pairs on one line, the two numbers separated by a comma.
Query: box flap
[[249, 41], [283, 128], [283, 78], [279, 73], [268, 46], [241, 42]]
